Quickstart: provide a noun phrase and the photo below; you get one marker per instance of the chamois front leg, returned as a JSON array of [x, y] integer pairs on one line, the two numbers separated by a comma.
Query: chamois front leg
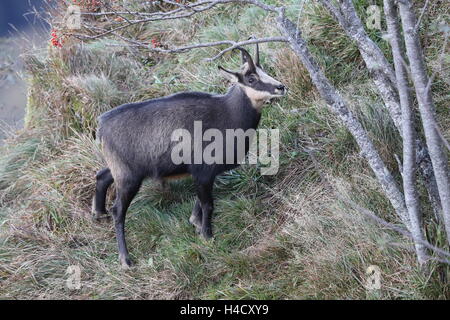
[[204, 192], [196, 216]]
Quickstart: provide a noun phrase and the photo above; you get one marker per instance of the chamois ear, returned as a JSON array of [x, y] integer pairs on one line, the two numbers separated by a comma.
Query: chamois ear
[[229, 75], [247, 58]]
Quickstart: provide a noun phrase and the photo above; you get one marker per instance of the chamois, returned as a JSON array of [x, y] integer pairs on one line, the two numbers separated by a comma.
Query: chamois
[[136, 142]]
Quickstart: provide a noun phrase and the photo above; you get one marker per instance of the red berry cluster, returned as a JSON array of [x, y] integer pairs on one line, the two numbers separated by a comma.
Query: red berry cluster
[[155, 43], [56, 42]]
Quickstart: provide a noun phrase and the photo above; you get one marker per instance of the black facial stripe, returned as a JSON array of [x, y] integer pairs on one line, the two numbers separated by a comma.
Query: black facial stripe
[[259, 85], [262, 86]]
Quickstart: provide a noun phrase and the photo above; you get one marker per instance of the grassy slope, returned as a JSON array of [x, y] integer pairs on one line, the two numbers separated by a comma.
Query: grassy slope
[[276, 237]]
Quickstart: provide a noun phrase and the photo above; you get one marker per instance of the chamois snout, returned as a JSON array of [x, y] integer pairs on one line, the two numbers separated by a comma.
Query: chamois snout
[[281, 89]]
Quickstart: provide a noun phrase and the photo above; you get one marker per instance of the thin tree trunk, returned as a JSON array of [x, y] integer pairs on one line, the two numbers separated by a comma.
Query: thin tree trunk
[[426, 108], [409, 133], [380, 70], [383, 76], [338, 106]]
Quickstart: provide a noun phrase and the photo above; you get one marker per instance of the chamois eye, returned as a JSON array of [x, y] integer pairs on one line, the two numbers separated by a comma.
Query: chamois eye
[[251, 80]]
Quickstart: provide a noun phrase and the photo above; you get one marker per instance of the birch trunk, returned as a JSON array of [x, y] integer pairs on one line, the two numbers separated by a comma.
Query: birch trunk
[[338, 106], [383, 76], [426, 108], [409, 133]]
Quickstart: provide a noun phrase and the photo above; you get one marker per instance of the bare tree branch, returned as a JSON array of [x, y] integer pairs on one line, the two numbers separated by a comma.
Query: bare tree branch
[[182, 11], [384, 78], [231, 44], [426, 108], [409, 132], [339, 107]]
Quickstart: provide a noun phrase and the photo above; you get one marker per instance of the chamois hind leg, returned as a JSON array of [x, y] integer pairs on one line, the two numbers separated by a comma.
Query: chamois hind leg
[[125, 192], [104, 181], [196, 216], [204, 193]]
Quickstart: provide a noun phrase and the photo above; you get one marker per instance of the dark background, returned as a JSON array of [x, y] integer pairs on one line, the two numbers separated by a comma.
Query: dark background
[[12, 12]]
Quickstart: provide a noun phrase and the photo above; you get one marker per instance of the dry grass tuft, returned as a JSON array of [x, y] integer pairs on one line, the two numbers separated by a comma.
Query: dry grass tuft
[[290, 71]]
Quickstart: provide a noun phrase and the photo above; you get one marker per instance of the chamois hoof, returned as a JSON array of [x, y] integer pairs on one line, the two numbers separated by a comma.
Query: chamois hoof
[[125, 263], [196, 223], [101, 217], [206, 235]]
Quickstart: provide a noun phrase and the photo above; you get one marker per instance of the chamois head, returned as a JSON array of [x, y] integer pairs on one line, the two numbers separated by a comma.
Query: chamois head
[[257, 84]]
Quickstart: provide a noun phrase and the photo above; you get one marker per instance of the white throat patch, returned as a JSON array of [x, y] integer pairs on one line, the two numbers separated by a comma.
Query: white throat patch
[[257, 98]]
